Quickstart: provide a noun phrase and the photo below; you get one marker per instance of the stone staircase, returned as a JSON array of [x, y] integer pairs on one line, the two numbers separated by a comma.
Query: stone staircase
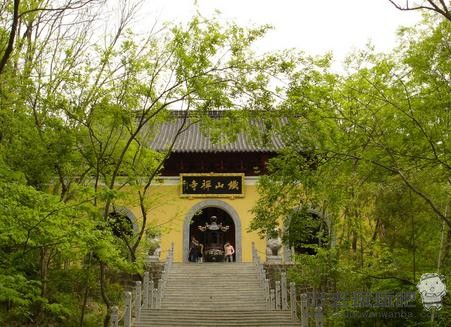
[[214, 294]]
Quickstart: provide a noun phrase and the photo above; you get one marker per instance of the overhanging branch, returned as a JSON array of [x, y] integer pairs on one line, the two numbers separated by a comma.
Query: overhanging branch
[[441, 7]]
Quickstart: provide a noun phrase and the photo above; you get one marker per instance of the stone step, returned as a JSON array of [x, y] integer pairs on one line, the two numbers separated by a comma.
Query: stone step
[[223, 268], [233, 278], [218, 272], [224, 323], [230, 278], [224, 299], [215, 307], [202, 305], [183, 289], [171, 317], [213, 284], [217, 297], [222, 313], [180, 274], [216, 304], [208, 294], [217, 267], [213, 264], [219, 286], [212, 317], [205, 306], [205, 291], [207, 324], [211, 274], [214, 287]]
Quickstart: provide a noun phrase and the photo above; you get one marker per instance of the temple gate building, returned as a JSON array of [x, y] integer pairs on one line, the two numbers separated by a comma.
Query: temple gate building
[[200, 180]]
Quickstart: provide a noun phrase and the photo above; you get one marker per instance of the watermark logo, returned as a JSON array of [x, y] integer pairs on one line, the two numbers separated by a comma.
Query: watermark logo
[[432, 289]]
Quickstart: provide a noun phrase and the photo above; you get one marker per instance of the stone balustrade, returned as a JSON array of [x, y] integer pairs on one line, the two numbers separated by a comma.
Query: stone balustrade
[[283, 298], [144, 296]]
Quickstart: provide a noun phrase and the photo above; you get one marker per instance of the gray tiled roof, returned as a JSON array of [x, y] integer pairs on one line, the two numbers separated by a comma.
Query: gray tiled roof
[[192, 139]]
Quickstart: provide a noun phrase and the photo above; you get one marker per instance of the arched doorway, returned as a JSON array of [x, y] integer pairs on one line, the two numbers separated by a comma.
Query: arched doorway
[[224, 230], [305, 227], [122, 221], [201, 213], [123, 225]]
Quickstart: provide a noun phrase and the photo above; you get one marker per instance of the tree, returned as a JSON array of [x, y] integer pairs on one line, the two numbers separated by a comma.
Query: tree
[[438, 6], [33, 16], [39, 233]]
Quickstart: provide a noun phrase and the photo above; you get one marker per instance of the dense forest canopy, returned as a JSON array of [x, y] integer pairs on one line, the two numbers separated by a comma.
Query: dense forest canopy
[[367, 149]]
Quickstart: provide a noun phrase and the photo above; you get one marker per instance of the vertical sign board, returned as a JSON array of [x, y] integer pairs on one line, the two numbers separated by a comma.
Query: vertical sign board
[[212, 185]]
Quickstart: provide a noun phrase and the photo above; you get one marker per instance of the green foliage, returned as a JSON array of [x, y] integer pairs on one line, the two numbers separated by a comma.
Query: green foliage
[[369, 150], [317, 270], [38, 234]]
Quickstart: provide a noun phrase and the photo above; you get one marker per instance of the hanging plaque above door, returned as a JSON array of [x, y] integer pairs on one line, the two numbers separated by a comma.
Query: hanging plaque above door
[[212, 185]]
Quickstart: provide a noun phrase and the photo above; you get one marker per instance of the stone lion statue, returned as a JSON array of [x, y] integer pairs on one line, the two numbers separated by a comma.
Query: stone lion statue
[[273, 244]]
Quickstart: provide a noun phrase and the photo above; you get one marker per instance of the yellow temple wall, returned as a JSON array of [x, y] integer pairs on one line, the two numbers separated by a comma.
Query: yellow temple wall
[[169, 211]]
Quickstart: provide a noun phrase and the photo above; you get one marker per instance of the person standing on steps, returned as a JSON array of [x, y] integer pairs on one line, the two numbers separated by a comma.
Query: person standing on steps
[[194, 250], [229, 251]]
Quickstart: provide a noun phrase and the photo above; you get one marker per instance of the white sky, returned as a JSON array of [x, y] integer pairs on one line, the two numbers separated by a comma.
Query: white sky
[[314, 26]]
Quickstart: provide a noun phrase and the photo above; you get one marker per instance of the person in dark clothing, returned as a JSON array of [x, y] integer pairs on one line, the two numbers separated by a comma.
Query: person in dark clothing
[[195, 250]]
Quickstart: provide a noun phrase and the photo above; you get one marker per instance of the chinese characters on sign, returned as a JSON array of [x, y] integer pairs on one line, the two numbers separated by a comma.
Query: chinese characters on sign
[[216, 185]]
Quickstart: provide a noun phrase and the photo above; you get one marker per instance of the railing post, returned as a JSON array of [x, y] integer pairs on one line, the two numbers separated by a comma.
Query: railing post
[[273, 299], [163, 278], [155, 298], [138, 289], [304, 313], [152, 296], [283, 285], [259, 275], [128, 310], [114, 317], [146, 290], [160, 293], [267, 295], [319, 317], [293, 300], [166, 275], [253, 252], [262, 276], [278, 295]]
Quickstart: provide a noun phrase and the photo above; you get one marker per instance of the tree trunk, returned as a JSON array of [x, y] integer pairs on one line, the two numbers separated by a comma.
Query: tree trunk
[[105, 298], [86, 293], [12, 36], [444, 247]]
